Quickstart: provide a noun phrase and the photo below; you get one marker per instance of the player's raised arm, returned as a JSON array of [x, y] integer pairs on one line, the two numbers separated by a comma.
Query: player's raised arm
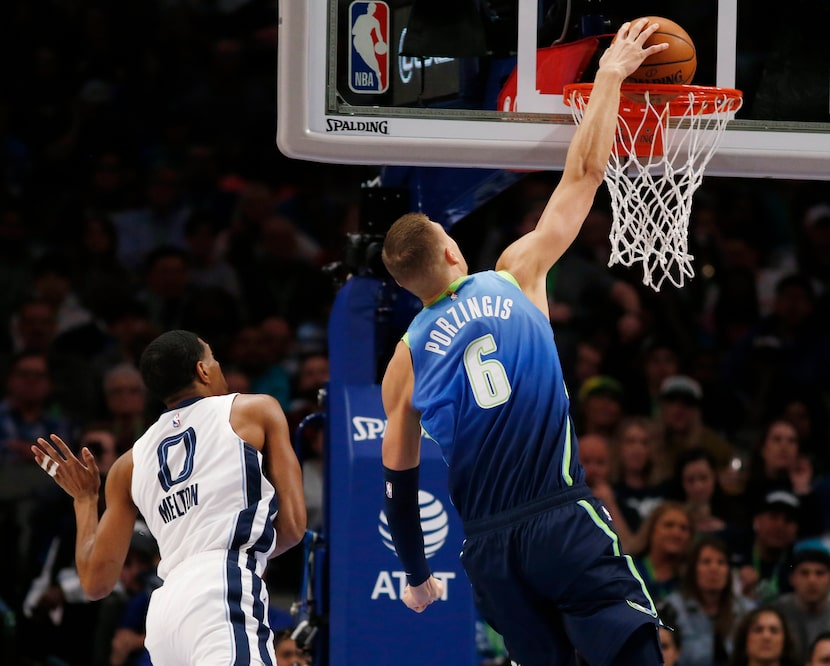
[[530, 258], [101, 546]]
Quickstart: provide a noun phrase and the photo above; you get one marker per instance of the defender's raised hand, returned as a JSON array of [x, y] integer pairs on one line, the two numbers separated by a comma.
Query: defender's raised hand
[[79, 478]]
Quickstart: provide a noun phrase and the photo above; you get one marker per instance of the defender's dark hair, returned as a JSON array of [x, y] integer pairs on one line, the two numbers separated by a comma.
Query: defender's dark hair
[[168, 364]]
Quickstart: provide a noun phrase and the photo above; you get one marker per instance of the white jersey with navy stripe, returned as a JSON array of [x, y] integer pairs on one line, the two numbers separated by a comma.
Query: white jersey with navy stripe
[[200, 487]]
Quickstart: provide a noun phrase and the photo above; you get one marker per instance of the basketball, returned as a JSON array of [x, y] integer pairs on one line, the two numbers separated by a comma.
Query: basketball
[[675, 65], [380, 48]]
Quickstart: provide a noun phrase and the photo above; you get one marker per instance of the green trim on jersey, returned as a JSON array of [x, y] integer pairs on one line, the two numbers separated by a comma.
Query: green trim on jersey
[[509, 277], [567, 455], [451, 288], [599, 522]]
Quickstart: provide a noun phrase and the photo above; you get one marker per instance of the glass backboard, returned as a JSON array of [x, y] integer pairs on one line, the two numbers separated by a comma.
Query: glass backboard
[[478, 83]]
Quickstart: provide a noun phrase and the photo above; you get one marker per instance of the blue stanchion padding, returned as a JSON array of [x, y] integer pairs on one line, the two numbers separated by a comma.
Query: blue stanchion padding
[[367, 621]]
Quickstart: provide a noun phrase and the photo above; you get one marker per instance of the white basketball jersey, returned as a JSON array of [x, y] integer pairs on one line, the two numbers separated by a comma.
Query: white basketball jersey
[[200, 487]]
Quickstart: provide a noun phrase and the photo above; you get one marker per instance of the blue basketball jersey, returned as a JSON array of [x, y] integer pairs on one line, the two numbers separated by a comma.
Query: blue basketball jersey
[[489, 387]]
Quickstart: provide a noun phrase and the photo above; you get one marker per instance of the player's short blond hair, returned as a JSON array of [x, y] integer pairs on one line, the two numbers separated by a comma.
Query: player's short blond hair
[[411, 248]]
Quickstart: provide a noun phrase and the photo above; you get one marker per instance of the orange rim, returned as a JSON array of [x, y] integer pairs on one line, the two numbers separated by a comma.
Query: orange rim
[[681, 99]]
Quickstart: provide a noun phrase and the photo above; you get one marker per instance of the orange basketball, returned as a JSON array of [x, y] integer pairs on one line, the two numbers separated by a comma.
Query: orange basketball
[[675, 65]]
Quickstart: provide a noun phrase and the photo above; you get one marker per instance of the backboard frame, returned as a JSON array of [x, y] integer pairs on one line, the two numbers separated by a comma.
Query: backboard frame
[[312, 125]]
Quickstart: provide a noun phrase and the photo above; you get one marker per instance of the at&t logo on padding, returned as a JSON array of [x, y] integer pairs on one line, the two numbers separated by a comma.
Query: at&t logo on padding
[[434, 523]]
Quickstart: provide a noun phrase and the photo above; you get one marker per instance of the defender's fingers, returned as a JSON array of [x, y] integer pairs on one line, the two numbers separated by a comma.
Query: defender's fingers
[[61, 447], [49, 466]]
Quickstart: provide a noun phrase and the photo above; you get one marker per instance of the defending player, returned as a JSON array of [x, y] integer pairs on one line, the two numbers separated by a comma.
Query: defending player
[[196, 477]]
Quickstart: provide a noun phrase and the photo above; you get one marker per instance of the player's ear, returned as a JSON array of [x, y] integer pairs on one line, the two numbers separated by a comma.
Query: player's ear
[[201, 372], [451, 256]]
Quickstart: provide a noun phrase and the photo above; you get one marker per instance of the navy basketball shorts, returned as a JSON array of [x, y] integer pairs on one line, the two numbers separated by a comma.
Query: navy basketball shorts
[[551, 579]]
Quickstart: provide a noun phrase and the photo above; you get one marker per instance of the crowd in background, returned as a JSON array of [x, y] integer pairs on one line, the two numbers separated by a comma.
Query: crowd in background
[[141, 190]]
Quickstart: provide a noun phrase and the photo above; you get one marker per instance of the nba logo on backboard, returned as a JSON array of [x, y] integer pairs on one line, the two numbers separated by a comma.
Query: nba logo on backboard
[[369, 52]]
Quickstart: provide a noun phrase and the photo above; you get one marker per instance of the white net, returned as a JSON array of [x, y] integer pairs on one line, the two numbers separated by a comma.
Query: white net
[[665, 138]]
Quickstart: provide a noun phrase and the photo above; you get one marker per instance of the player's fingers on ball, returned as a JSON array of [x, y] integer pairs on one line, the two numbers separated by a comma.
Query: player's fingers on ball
[[646, 32]]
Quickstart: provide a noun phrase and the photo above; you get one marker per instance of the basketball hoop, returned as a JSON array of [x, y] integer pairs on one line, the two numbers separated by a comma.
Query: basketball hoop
[[666, 135]]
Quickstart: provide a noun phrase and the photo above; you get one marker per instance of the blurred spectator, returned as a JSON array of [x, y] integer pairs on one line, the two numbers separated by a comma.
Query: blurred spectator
[[126, 405], [278, 338], [288, 654], [280, 280], [763, 556], [310, 338], [681, 427], [55, 609], [312, 376], [632, 470], [819, 651], [696, 484], [166, 290], [34, 326], [705, 607], [805, 411], [658, 361], [257, 203], [159, 222], [248, 353], [52, 283], [807, 607], [764, 638], [108, 186], [26, 412], [207, 269], [789, 347], [778, 464], [204, 183], [666, 538], [599, 406], [587, 363], [237, 243], [117, 335], [238, 381], [101, 279], [173, 301], [814, 245]]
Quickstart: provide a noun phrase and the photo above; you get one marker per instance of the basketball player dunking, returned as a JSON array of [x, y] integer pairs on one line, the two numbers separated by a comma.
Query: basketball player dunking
[[478, 372]]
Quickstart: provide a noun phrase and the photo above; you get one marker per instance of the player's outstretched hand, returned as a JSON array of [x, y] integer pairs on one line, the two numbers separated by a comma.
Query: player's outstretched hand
[[419, 597], [626, 52], [80, 479]]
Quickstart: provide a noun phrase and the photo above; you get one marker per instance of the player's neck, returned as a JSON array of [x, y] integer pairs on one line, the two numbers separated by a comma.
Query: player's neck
[[450, 283]]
